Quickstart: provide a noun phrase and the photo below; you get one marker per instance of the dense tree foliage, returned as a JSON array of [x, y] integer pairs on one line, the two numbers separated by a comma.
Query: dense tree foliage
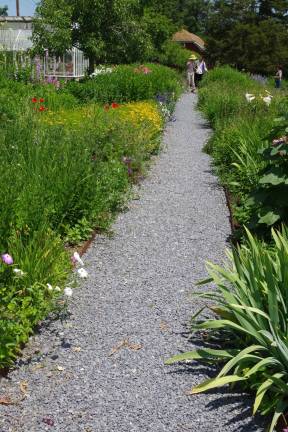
[[106, 30], [249, 34], [3, 10]]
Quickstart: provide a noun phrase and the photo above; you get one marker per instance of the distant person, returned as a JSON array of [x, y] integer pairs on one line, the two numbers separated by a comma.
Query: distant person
[[191, 67], [200, 70], [278, 77]]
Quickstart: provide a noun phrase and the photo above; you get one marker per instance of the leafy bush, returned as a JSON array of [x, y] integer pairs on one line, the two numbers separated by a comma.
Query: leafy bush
[[240, 128], [173, 54], [269, 198], [251, 303], [127, 83], [39, 259]]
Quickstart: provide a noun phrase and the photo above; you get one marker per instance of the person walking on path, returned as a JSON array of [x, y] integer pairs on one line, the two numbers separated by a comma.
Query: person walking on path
[[201, 69], [191, 67], [278, 77]]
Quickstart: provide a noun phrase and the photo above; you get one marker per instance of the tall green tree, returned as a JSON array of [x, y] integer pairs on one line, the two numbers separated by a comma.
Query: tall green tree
[[106, 30], [249, 34], [192, 14]]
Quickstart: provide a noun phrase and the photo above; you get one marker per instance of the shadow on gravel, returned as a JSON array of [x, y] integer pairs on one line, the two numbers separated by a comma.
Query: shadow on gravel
[[204, 125], [238, 405]]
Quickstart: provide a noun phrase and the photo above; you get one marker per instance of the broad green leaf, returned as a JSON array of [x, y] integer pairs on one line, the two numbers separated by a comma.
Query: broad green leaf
[[280, 408], [275, 177], [201, 354], [252, 309], [269, 218], [269, 361], [262, 390], [216, 382], [240, 356]]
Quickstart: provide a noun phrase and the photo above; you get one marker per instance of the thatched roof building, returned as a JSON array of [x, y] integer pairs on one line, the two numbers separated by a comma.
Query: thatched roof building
[[189, 41]]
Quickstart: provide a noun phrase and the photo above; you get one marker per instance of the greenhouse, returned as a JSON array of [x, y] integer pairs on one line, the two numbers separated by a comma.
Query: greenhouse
[[16, 41], [72, 64]]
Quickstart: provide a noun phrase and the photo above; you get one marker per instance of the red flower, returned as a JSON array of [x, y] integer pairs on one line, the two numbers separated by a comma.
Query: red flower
[[41, 100], [34, 100], [42, 108], [115, 105]]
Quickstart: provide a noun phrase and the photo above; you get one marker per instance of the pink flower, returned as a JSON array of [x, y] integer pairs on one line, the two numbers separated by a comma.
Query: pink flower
[[7, 259]]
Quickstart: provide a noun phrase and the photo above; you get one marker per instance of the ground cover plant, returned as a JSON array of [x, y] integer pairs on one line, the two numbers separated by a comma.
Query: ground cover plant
[[66, 169]]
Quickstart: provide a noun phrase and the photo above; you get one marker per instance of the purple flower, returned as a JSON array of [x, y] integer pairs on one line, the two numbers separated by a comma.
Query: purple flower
[[7, 259], [285, 430], [126, 160]]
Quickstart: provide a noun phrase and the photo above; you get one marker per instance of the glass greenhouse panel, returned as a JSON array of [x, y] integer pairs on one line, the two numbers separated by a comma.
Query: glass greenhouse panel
[[71, 65]]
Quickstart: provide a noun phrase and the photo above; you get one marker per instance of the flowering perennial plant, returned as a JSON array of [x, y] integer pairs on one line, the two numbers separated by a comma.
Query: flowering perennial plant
[[7, 259], [77, 162], [101, 70], [143, 69], [266, 99]]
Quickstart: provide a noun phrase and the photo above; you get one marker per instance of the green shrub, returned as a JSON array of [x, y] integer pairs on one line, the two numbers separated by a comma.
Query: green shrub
[[239, 130], [173, 54], [269, 198], [127, 83], [251, 302], [25, 298]]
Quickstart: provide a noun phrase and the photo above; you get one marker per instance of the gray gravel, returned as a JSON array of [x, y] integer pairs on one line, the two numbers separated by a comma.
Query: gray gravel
[[79, 375]]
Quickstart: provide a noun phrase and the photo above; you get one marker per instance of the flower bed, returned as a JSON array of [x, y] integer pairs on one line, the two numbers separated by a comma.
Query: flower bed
[[66, 169], [127, 83], [242, 112]]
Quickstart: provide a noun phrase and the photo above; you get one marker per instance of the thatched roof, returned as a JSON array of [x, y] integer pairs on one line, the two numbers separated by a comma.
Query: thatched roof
[[185, 36]]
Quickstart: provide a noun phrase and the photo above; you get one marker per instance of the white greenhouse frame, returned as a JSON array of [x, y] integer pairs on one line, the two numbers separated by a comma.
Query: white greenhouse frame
[[15, 40], [72, 64]]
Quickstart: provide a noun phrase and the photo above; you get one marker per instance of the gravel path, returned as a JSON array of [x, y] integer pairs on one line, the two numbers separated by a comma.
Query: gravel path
[[101, 370]]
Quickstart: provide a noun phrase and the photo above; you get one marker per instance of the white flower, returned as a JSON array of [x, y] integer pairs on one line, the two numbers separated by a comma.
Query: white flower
[[18, 272], [249, 97], [57, 289], [77, 258], [101, 70], [82, 273], [49, 287], [267, 99], [68, 291]]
